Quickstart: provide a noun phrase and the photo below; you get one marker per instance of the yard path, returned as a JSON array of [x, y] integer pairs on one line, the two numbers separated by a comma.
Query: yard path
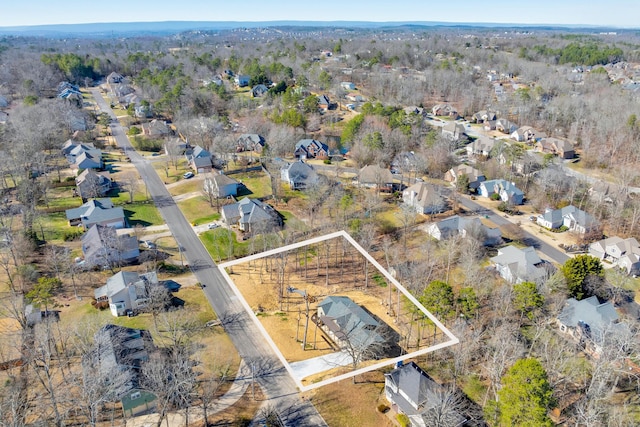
[[185, 196], [177, 419]]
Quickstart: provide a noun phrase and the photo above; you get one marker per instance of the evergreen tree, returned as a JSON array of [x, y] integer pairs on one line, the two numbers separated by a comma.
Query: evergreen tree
[[576, 272]]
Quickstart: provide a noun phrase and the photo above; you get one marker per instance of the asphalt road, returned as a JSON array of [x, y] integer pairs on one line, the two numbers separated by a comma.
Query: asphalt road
[[269, 372]]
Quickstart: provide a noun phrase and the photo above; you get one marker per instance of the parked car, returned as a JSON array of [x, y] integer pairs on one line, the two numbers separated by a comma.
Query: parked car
[[187, 175], [213, 225], [149, 244]]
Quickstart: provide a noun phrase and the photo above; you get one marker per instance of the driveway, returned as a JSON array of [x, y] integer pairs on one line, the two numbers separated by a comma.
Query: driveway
[[319, 364]]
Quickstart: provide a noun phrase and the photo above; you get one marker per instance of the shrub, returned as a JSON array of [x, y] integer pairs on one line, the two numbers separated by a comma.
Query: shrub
[[403, 420], [382, 408], [134, 130], [503, 207], [71, 235], [327, 161], [494, 196]]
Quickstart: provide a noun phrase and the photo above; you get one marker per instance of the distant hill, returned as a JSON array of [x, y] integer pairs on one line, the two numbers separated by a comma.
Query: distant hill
[[119, 29]]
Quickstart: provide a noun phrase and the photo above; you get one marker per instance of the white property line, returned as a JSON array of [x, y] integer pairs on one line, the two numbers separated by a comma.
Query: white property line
[[452, 338]]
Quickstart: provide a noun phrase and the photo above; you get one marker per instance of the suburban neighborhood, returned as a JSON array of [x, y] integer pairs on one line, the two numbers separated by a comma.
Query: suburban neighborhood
[[310, 227]]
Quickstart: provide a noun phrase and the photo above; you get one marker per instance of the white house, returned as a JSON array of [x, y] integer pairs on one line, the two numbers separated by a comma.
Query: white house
[[519, 265], [623, 253], [126, 291], [425, 198], [457, 225]]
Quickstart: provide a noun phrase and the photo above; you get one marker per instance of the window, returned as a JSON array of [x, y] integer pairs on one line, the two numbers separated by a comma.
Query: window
[[135, 395]]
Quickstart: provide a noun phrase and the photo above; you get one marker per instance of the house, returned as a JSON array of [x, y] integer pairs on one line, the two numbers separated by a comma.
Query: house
[[525, 134], [103, 247], [457, 225], [219, 185], [482, 146], [311, 149], [242, 80], [251, 216], [505, 126], [374, 176], [91, 184], [559, 147], [475, 176], [142, 110], [415, 394], [87, 160], [175, 147], [354, 97], [445, 110], [425, 198], [199, 159], [571, 217], [507, 191], [114, 77], [623, 253], [4, 102], [156, 128], [347, 85], [83, 156], [588, 321], [97, 211], [526, 164], [299, 175], [348, 324], [489, 125], [250, 142], [126, 291], [406, 162], [453, 131], [115, 360], [483, 116], [259, 90], [324, 103], [519, 265]]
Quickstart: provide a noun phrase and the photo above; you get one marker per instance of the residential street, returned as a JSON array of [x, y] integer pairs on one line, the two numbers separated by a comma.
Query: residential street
[[269, 371]]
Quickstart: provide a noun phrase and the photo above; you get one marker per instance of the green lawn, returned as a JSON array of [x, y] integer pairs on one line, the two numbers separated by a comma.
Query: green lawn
[[197, 210], [142, 213], [258, 184], [217, 243], [187, 186], [175, 175], [122, 197], [54, 226]]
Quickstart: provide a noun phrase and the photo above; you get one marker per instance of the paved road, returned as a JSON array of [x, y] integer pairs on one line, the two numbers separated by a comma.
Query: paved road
[[529, 239], [268, 370]]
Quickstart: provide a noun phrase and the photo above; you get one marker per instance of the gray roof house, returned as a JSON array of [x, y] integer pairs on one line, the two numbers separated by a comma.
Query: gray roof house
[[126, 290], [299, 175], [200, 160], [91, 184], [414, 393], [507, 191], [311, 149], [571, 217], [588, 321], [623, 253], [259, 90], [519, 265], [374, 176], [103, 247], [83, 156], [347, 323], [475, 176], [481, 147], [155, 128], [453, 131], [425, 198], [116, 358], [70, 144], [457, 225], [98, 211], [250, 142], [251, 215], [483, 116], [220, 185]]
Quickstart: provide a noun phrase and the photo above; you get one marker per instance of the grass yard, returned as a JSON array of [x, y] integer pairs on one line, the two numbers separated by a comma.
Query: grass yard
[[186, 186], [142, 213], [122, 197], [175, 174], [197, 210], [55, 226], [352, 405], [217, 243], [258, 184]]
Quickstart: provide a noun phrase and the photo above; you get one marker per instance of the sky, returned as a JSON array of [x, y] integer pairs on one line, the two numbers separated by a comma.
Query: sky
[[614, 13]]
